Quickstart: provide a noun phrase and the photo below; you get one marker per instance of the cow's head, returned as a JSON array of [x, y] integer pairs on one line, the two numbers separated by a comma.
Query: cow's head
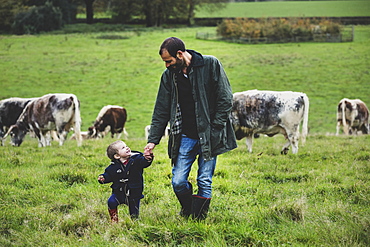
[[96, 130], [239, 134], [92, 132], [17, 133]]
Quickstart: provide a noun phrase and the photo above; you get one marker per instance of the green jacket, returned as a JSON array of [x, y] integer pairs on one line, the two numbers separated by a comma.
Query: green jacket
[[213, 101]]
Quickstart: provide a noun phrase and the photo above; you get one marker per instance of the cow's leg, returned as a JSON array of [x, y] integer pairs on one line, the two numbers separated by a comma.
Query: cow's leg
[[285, 147], [42, 139], [346, 129], [2, 133], [339, 123], [47, 138], [365, 128], [119, 135], [54, 135], [294, 143], [249, 142], [292, 139], [62, 137], [39, 135], [62, 134]]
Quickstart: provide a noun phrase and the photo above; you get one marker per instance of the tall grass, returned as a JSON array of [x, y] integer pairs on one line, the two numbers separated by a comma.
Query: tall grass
[[320, 197]]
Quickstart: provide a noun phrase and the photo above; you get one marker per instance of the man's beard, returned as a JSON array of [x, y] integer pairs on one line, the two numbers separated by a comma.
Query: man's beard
[[178, 66]]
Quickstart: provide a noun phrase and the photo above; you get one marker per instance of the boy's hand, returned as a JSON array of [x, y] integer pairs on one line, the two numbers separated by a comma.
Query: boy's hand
[[101, 178], [149, 156]]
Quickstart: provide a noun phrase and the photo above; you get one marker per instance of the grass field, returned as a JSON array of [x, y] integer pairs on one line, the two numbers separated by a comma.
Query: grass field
[[291, 8], [320, 197], [126, 72]]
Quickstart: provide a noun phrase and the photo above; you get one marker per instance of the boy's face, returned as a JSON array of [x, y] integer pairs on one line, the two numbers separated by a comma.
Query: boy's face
[[123, 151]]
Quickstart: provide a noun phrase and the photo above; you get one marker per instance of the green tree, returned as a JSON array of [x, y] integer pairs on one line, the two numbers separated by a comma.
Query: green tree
[[38, 19], [89, 11], [193, 5], [158, 12], [8, 10], [124, 10]]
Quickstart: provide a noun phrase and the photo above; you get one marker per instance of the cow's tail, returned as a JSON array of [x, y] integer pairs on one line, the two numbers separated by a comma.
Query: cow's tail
[[305, 119], [77, 121]]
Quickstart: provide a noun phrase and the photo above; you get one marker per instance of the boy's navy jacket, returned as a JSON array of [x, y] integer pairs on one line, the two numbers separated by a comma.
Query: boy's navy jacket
[[127, 178]]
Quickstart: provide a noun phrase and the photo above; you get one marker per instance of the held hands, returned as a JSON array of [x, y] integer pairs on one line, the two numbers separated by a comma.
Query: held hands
[[101, 178], [148, 151]]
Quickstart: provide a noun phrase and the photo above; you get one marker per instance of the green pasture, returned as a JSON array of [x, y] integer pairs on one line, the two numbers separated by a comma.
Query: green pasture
[[102, 71], [319, 197], [290, 8]]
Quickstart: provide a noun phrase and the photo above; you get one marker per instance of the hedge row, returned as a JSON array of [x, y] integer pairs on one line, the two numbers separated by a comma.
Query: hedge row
[[277, 29]]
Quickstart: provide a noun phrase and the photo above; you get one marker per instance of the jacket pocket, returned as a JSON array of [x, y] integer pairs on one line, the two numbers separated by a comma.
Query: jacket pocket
[[174, 142], [217, 138]]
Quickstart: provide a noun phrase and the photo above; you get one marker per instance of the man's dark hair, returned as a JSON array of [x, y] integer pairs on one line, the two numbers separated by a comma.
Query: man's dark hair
[[172, 45]]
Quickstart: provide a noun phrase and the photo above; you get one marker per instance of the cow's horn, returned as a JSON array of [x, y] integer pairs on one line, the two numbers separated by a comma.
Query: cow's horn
[[94, 132], [7, 133]]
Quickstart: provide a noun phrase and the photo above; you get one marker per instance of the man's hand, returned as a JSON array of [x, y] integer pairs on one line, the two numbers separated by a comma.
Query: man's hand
[[148, 151]]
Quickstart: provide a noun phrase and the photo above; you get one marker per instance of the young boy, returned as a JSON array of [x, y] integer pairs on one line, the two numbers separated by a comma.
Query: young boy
[[126, 174]]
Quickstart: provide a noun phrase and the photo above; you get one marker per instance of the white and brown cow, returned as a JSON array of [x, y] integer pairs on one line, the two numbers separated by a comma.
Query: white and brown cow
[[353, 115], [110, 118], [50, 112], [270, 113], [10, 110]]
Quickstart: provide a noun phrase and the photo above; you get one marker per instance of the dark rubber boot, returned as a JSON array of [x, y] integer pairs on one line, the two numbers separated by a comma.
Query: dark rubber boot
[[200, 207], [186, 201]]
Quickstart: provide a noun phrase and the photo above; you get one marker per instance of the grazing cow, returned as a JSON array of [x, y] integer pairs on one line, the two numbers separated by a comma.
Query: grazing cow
[[10, 110], [50, 112], [353, 115], [110, 118], [165, 134], [270, 113], [84, 135]]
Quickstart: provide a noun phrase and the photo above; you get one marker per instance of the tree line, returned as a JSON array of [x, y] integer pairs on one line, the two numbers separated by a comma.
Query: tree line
[[34, 16]]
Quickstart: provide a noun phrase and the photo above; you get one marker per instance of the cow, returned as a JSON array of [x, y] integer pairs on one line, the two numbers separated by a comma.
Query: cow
[[10, 110], [353, 115], [165, 134], [59, 112], [84, 136], [110, 118], [270, 112]]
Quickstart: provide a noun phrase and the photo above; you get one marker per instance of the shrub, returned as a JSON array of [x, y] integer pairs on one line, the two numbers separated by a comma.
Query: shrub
[[277, 29], [7, 12], [38, 19]]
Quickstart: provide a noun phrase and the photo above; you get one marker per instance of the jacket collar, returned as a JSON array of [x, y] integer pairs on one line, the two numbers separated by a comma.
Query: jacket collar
[[196, 59]]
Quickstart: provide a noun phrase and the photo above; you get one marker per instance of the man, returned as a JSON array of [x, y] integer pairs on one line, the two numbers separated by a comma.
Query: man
[[195, 97]]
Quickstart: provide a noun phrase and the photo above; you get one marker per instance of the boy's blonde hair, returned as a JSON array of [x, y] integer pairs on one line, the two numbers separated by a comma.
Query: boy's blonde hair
[[112, 150]]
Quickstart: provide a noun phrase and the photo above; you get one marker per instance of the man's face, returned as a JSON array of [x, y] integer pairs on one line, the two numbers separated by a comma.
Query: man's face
[[173, 64]]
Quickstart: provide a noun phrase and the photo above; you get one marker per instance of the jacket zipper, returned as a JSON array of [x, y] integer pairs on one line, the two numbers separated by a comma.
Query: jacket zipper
[[177, 103]]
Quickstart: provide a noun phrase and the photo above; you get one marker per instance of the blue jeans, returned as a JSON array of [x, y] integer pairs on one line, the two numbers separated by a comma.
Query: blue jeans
[[188, 151]]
